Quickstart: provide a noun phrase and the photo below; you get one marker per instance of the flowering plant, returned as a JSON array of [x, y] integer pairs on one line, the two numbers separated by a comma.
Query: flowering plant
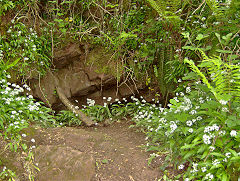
[[16, 110], [68, 118], [24, 47], [201, 128]]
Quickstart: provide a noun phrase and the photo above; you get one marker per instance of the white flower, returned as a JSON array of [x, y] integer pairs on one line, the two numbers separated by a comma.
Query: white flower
[[223, 102], [181, 94], [189, 123], [4, 168], [190, 130], [216, 162], [209, 176], [222, 132], [233, 133], [180, 167], [90, 102], [204, 169], [195, 167], [173, 126], [211, 148], [215, 127], [188, 89], [228, 154], [199, 118], [193, 112], [24, 135], [206, 139], [33, 140]]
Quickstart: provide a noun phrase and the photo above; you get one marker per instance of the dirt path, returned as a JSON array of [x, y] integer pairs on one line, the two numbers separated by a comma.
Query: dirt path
[[112, 153]]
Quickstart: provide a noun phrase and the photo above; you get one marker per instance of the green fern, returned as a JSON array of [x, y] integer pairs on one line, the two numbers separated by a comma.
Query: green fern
[[215, 7], [225, 82], [165, 8], [156, 5]]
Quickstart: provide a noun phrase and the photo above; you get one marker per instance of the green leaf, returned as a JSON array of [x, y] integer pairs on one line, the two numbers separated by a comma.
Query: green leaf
[[224, 176], [105, 161], [227, 38], [217, 154], [173, 101], [189, 154], [204, 154], [189, 48], [24, 146], [12, 64], [234, 152], [224, 51], [15, 147], [218, 36], [201, 36], [187, 146], [202, 148], [185, 34]]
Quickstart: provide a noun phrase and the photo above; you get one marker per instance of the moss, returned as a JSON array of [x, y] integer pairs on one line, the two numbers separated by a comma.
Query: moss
[[105, 62]]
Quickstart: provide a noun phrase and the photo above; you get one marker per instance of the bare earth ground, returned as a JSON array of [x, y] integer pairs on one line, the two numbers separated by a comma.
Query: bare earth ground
[[115, 149], [111, 153]]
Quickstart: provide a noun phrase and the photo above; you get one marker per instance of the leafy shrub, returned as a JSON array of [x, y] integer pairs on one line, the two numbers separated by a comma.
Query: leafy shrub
[[22, 46], [200, 130], [17, 110]]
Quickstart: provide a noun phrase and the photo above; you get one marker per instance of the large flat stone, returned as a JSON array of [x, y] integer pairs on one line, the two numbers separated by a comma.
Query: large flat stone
[[63, 163]]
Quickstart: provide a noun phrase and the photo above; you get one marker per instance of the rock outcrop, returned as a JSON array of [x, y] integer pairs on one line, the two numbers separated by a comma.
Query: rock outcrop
[[81, 74]]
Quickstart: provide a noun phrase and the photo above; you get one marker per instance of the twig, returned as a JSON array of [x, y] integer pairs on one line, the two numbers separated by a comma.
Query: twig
[[39, 82], [199, 7]]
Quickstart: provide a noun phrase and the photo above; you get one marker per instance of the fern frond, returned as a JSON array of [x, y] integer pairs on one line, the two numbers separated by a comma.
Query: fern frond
[[157, 6], [165, 7], [215, 7], [225, 78]]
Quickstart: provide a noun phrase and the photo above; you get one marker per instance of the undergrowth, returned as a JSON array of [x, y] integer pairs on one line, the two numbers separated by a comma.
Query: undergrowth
[[187, 47]]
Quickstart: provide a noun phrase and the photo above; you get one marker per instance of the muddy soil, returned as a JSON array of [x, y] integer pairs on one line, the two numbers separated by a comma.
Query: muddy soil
[[117, 151]]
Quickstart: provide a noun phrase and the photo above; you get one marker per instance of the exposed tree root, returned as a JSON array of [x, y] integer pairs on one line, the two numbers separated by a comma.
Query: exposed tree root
[[86, 120]]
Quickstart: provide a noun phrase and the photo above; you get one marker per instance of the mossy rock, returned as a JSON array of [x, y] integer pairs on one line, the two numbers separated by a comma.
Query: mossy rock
[[105, 62]]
